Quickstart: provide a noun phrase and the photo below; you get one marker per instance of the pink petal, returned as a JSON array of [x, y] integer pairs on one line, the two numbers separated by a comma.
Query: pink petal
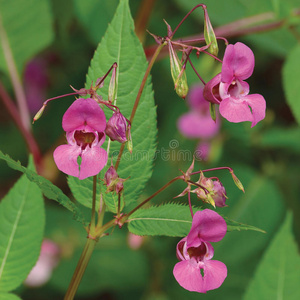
[[84, 112], [258, 106], [238, 62], [93, 161], [195, 97], [211, 90], [195, 125], [181, 250], [237, 109], [215, 273], [189, 277], [207, 226], [65, 157]]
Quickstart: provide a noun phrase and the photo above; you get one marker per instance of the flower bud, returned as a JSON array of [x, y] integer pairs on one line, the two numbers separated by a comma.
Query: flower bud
[[178, 73], [39, 113], [209, 35], [112, 89], [116, 128], [112, 180], [129, 140], [213, 192], [237, 182], [110, 177]]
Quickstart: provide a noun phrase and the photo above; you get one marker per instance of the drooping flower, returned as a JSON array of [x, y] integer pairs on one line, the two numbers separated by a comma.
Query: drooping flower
[[196, 272], [84, 123], [197, 123], [48, 260], [216, 192], [231, 92]]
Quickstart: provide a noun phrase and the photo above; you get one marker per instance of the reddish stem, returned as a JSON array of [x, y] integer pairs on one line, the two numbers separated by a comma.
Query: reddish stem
[[27, 135], [153, 195]]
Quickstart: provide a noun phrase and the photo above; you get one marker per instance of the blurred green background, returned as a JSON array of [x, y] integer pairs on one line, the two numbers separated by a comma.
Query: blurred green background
[[265, 158]]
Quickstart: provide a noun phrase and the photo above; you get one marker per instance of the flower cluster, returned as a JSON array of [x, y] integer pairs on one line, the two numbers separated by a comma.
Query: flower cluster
[[196, 272], [231, 92]]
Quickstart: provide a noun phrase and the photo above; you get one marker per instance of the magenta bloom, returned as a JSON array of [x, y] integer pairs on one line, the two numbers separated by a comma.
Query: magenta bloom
[[197, 123], [231, 91], [84, 123], [196, 272]]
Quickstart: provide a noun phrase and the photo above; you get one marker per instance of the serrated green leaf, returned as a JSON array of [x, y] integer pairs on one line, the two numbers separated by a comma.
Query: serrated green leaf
[[291, 74], [278, 274], [25, 38], [49, 189], [8, 296], [22, 220], [171, 220], [121, 45], [237, 226]]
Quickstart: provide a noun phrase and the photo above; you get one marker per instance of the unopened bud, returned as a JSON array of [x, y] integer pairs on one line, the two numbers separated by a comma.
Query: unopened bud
[[110, 176], [112, 89], [237, 182], [178, 73], [116, 128], [112, 180], [209, 35], [129, 140], [39, 113]]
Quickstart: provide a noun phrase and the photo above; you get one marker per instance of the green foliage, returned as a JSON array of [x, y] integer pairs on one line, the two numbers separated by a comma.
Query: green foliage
[[170, 220], [22, 221], [278, 274], [93, 18], [9, 296], [49, 189], [121, 45], [19, 20], [291, 74]]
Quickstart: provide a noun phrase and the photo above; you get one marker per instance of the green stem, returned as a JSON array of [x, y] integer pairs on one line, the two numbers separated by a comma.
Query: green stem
[[81, 266], [93, 218], [138, 97]]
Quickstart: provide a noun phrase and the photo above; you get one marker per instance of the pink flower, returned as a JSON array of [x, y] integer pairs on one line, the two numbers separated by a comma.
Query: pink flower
[[47, 261], [84, 123], [231, 91], [196, 272], [197, 123]]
